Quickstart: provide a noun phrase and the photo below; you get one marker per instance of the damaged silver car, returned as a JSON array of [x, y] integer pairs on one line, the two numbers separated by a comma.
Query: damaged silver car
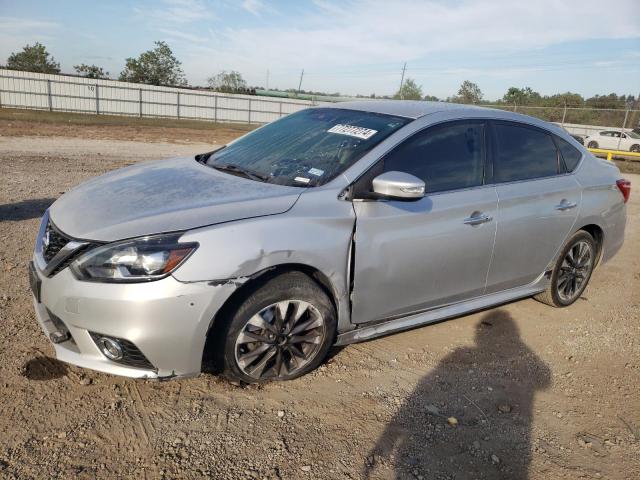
[[332, 225]]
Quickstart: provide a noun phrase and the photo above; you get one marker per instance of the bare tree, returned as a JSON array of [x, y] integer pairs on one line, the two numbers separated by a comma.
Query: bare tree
[[227, 82]]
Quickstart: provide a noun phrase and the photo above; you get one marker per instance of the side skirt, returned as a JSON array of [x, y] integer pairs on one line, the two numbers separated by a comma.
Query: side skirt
[[368, 332]]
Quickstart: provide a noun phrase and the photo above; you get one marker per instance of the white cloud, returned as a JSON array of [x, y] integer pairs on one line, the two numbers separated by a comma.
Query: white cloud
[[176, 12], [253, 6], [15, 33], [359, 33]]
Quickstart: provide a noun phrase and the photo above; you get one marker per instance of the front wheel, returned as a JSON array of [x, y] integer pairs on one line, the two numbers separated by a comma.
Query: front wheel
[[571, 272], [592, 145], [280, 332], [635, 148]]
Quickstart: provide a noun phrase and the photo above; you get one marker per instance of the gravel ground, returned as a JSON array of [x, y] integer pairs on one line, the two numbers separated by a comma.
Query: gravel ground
[[519, 391]]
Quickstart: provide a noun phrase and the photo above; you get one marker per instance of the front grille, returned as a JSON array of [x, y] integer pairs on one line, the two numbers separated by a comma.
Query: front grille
[[56, 241], [52, 242], [67, 261], [131, 355]]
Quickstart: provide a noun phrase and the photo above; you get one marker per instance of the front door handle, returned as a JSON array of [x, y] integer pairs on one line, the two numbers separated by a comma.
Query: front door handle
[[566, 205], [477, 218]]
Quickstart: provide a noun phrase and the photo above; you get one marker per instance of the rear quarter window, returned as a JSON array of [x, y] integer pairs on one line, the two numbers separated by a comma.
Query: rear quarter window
[[570, 154]]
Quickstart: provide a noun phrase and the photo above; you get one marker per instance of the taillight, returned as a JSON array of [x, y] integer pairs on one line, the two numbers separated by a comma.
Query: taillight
[[625, 188]]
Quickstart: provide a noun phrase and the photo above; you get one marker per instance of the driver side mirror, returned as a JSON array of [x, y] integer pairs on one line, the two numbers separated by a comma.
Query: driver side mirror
[[398, 186]]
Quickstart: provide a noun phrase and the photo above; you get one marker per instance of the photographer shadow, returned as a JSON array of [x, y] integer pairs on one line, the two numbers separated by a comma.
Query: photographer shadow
[[489, 391]]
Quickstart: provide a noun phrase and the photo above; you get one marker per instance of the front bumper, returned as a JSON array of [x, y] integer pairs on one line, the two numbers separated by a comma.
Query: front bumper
[[166, 320]]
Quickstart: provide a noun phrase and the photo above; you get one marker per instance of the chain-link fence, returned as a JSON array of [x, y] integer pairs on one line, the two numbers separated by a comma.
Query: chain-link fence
[[588, 123]]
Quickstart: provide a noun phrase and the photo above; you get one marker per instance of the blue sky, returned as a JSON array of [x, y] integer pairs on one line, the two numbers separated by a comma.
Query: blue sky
[[351, 46]]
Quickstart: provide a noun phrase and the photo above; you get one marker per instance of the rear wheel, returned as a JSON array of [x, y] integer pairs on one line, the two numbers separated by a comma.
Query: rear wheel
[[592, 145], [572, 271], [280, 332]]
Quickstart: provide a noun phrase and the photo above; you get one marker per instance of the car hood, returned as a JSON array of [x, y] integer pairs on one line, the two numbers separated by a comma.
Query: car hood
[[164, 196]]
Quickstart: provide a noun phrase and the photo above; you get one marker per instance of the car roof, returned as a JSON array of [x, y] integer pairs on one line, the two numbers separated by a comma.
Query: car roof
[[415, 109], [404, 108]]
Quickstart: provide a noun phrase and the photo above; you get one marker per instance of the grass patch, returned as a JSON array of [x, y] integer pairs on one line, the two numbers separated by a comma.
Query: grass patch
[[43, 116]]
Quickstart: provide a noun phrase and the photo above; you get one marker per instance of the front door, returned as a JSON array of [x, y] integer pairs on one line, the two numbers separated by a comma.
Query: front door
[[415, 255]]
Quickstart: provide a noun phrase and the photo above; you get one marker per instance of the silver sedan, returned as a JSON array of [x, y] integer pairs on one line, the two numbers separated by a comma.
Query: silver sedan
[[332, 225]]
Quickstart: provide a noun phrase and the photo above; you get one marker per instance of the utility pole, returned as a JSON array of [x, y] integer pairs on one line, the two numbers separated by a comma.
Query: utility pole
[[267, 87], [402, 80], [300, 84]]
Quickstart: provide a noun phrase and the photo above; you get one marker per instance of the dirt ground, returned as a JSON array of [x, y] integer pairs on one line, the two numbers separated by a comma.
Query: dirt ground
[[537, 393]]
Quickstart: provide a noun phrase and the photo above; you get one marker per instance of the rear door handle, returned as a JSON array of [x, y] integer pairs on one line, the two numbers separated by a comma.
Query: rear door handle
[[477, 219], [566, 205]]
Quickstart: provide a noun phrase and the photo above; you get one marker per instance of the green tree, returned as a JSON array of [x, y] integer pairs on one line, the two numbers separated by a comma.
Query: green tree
[[569, 99], [155, 67], [431, 98], [521, 96], [410, 91], [227, 82], [469, 92], [607, 101], [91, 71], [33, 58]]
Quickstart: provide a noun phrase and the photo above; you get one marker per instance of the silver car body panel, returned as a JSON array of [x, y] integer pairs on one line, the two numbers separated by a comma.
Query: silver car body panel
[[167, 320], [404, 249], [538, 212], [164, 196], [388, 265]]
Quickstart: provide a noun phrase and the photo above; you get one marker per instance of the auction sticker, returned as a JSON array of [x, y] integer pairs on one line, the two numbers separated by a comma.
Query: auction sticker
[[353, 131]]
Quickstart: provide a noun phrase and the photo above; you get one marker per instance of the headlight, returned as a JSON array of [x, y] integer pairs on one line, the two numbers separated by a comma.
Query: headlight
[[139, 260]]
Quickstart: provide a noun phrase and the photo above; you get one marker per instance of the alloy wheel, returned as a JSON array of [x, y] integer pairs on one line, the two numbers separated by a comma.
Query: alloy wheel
[[280, 340], [575, 271]]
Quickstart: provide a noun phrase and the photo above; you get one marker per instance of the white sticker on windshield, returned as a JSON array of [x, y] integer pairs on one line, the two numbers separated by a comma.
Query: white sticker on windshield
[[353, 131], [316, 171], [302, 180]]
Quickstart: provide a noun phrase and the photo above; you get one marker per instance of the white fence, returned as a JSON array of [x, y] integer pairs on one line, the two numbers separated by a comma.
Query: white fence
[[62, 93]]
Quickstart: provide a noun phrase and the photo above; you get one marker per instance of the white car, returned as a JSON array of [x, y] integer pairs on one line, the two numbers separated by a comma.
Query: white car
[[614, 140]]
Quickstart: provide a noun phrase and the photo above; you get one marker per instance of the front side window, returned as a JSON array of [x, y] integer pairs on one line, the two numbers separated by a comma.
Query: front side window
[[307, 148], [446, 157], [522, 153]]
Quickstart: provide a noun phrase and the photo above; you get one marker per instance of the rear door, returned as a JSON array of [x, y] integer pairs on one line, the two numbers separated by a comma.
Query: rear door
[[414, 255], [608, 140], [538, 204]]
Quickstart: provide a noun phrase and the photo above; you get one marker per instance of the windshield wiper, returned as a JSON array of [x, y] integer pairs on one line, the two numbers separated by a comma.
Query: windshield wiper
[[203, 157], [228, 167]]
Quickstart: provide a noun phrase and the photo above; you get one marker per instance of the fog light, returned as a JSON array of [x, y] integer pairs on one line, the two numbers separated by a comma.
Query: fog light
[[110, 347]]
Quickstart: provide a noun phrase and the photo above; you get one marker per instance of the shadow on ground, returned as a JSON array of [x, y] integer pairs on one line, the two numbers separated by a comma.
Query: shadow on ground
[[489, 389], [25, 210], [44, 368]]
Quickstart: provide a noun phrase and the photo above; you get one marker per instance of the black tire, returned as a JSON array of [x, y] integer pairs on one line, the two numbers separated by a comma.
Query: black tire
[[592, 145], [635, 148], [556, 293], [295, 290]]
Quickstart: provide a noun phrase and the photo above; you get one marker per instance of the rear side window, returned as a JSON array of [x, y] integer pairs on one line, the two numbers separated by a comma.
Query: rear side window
[[446, 157], [570, 154], [523, 153]]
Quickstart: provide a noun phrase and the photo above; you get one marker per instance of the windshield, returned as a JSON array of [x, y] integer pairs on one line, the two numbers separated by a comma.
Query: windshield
[[633, 134], [307, 148]]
